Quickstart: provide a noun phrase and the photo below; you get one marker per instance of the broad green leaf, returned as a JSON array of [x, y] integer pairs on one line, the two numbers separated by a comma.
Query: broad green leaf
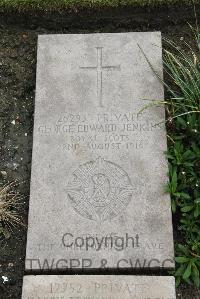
[[173, 206], [174, 181], [187, 272], [181, 259], [178, 281], [180, 270], [187, 209]]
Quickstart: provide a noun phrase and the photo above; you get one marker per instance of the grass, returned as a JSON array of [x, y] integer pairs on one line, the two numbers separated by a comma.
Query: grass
[[182, 68], [183, 125], [70, 4], [9, 209], [182, 71]]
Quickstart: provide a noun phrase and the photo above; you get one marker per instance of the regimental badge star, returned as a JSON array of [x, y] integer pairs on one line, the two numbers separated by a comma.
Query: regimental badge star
[[99, 190]]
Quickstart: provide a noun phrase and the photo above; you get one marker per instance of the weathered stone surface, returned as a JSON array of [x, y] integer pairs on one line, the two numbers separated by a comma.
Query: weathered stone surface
[[98, 287], [98, 170]]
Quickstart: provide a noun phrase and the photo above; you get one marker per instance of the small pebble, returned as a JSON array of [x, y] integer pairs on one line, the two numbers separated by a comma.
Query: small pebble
[[4, 174], [5, 279]]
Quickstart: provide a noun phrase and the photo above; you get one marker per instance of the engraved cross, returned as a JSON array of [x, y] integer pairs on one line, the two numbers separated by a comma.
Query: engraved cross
[[99, 69]]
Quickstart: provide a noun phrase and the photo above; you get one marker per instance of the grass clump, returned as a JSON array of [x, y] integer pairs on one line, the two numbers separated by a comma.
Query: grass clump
[[182, 70], [10, 206], [183, 125], [70, 4]]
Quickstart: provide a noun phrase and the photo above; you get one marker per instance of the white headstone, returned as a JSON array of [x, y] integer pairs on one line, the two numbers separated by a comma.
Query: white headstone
[[98, 169], [98, 287]]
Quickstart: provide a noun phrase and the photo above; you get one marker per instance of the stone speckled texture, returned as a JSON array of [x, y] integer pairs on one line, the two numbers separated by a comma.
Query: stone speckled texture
[[96, 287], [98, 169]]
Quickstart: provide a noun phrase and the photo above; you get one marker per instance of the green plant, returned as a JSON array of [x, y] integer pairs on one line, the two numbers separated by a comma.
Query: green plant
[[182, 71], [183, 125], [184, 186], [189, 265], [9, 209]]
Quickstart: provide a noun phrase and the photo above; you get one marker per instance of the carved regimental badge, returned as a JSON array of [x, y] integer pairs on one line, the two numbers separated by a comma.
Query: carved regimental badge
[[99, 190]]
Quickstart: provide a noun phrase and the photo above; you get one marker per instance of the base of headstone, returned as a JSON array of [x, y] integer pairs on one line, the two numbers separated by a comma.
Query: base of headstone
[[98, 287]]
